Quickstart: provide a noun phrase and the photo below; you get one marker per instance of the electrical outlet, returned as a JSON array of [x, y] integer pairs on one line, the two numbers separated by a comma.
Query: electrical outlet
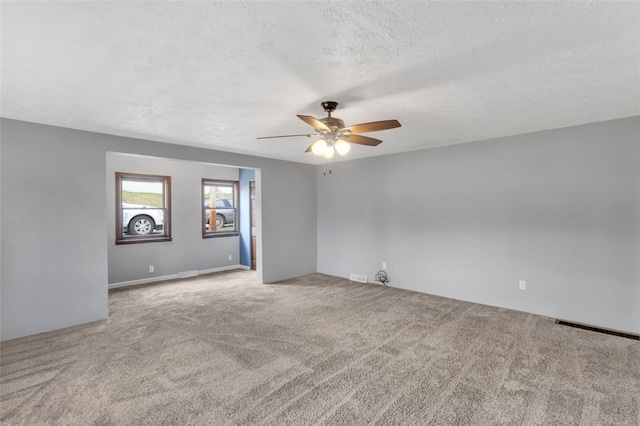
[[384, 265], [523, 285], [230, 257], [151, 268]]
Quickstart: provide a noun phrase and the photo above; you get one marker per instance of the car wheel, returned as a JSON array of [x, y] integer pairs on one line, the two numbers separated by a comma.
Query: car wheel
[[141, 225], [219, 221]]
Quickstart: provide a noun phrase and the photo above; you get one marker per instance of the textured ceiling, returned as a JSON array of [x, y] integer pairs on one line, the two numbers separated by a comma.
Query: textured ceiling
[[219, 74]]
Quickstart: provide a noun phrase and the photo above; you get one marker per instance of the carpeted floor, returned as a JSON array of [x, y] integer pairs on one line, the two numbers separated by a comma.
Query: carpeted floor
[[221, 350]]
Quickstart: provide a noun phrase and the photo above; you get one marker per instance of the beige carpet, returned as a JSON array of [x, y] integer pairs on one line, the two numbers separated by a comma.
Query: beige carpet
[[220, 350]]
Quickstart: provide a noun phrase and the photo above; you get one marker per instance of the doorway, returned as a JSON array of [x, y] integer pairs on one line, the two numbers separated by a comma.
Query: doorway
[[254, 252]]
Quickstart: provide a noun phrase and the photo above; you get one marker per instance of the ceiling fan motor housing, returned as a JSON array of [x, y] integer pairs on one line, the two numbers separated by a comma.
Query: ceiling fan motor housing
[[332, 123]]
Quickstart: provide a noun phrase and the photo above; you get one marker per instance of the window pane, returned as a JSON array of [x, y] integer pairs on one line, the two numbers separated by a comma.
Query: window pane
[[142, 193]]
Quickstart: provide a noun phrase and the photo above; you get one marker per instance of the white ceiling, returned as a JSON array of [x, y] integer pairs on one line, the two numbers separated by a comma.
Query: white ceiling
[[219, 74]]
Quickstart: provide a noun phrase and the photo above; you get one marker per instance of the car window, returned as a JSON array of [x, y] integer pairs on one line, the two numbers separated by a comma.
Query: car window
[[223, 203]]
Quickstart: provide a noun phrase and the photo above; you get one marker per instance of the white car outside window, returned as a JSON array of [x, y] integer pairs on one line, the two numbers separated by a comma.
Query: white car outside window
[[141, 220]]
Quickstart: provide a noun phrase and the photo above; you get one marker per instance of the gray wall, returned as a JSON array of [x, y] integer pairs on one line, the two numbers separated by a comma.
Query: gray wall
[[188, 250], [54, 251], [559, 209], [54, 221]]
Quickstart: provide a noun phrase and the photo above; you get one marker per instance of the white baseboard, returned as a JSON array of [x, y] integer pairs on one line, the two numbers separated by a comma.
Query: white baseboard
[[222, 268], [143, 281], [174, 276]]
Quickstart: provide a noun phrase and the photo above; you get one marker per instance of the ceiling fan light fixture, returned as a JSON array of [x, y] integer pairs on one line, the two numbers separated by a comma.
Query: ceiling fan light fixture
[[342, 147], [319, 147], [328, 152]]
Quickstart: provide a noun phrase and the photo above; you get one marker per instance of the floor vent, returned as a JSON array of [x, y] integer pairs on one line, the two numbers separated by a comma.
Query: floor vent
[[599, 330], [188, 274], [358, 278]]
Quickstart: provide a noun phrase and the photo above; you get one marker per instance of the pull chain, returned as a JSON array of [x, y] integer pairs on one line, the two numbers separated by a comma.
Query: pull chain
[[324, 167]]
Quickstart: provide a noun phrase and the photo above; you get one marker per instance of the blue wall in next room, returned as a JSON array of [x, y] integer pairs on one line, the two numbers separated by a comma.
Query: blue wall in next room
[[246, 176]]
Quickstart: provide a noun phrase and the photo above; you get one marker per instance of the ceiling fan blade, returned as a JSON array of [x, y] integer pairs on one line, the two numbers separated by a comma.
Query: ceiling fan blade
[[316, 124], [373, 126], [362, 140], [288, 136], [308, 148]]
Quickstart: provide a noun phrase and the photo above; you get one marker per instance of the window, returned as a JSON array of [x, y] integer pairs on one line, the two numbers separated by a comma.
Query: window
[[219, 208], [143, 208]]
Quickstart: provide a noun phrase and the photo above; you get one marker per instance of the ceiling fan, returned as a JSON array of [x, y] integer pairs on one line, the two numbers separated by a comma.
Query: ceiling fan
[[334, 136]]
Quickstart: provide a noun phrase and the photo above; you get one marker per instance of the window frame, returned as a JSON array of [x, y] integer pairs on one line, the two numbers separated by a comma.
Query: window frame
[[121, 237], [236, 213]]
